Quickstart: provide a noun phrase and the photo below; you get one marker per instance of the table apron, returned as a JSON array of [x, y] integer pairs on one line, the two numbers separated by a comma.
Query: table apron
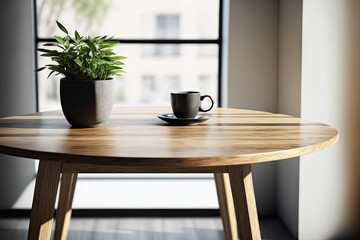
[[95, 168]]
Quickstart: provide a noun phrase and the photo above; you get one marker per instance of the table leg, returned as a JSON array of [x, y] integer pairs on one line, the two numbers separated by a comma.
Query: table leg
[[63, 213], [244, 201], [226, 205], [42, 212]]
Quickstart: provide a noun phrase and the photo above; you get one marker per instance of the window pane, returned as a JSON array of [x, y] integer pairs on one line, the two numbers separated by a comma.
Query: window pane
[[136, 19], [167, 26], [151, 77]]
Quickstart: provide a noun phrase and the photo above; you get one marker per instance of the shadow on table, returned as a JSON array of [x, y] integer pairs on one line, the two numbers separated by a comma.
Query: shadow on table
[[56, 120]]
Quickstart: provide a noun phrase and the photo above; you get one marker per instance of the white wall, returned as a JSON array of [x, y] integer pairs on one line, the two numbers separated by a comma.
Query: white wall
[[253, 53], [290, 33], [317, 80], [317, 50], [252, 76], [17, 89], [330, 94]]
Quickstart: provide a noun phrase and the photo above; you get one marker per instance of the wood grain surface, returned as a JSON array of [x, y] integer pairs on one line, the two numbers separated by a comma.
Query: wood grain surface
[[136, 137], [42, 211], [244, 201], [63, 214], [226, 205]]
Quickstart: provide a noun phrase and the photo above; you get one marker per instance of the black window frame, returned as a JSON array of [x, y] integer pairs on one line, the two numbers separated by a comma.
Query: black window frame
[[218, 42]]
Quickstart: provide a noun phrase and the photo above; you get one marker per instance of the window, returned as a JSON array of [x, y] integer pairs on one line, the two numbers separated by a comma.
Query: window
[[148, 88], [175, 41], [170, 84], [205, 83], [167, 27], [209, 51]]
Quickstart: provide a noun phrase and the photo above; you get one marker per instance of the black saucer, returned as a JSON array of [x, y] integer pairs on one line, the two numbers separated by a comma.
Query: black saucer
[[173, 120]]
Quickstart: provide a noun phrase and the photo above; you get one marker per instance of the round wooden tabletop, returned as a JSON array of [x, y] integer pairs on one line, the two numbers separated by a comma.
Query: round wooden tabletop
[[136, 137]]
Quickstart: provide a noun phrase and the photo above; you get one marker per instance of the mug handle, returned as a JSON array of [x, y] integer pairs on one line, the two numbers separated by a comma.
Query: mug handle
[[212, 103]]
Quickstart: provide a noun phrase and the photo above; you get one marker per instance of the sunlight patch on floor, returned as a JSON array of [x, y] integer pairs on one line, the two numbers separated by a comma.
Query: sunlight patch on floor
[[136, 193]]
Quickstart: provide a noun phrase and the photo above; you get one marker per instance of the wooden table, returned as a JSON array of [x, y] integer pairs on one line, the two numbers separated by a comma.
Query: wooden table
[[135, 141]]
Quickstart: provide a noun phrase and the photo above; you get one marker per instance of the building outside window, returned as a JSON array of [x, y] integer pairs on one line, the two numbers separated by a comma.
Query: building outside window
[[148, 88], [170, 84], [178, 34], [167, 27], [205, 83]]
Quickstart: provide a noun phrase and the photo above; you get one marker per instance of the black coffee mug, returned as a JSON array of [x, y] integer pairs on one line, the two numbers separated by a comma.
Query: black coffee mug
[[188, 104]]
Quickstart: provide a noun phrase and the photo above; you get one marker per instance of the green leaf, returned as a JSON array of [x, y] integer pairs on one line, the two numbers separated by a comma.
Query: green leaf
[[55, 59], [118, 58], [59, 39], [50, 73], [90, 45], [108, 44], [77, 37], [116, 72], [49, 44], [78, 62], [40, 69], [103, 61], [120, 71], [49, 54], [107, 52], [67, 43], [113, 67], [60, 46], [62, 28], [45, 50], [57, 68]]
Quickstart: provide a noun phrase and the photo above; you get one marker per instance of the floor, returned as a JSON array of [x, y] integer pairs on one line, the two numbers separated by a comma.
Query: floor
[[190, 191], [149, 228]]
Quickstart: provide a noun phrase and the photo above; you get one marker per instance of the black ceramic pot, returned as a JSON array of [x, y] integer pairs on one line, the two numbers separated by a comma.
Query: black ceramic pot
[[86, 103]]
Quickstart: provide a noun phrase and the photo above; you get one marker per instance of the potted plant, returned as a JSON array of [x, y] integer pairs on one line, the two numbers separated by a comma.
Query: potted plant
[[88, 65]]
